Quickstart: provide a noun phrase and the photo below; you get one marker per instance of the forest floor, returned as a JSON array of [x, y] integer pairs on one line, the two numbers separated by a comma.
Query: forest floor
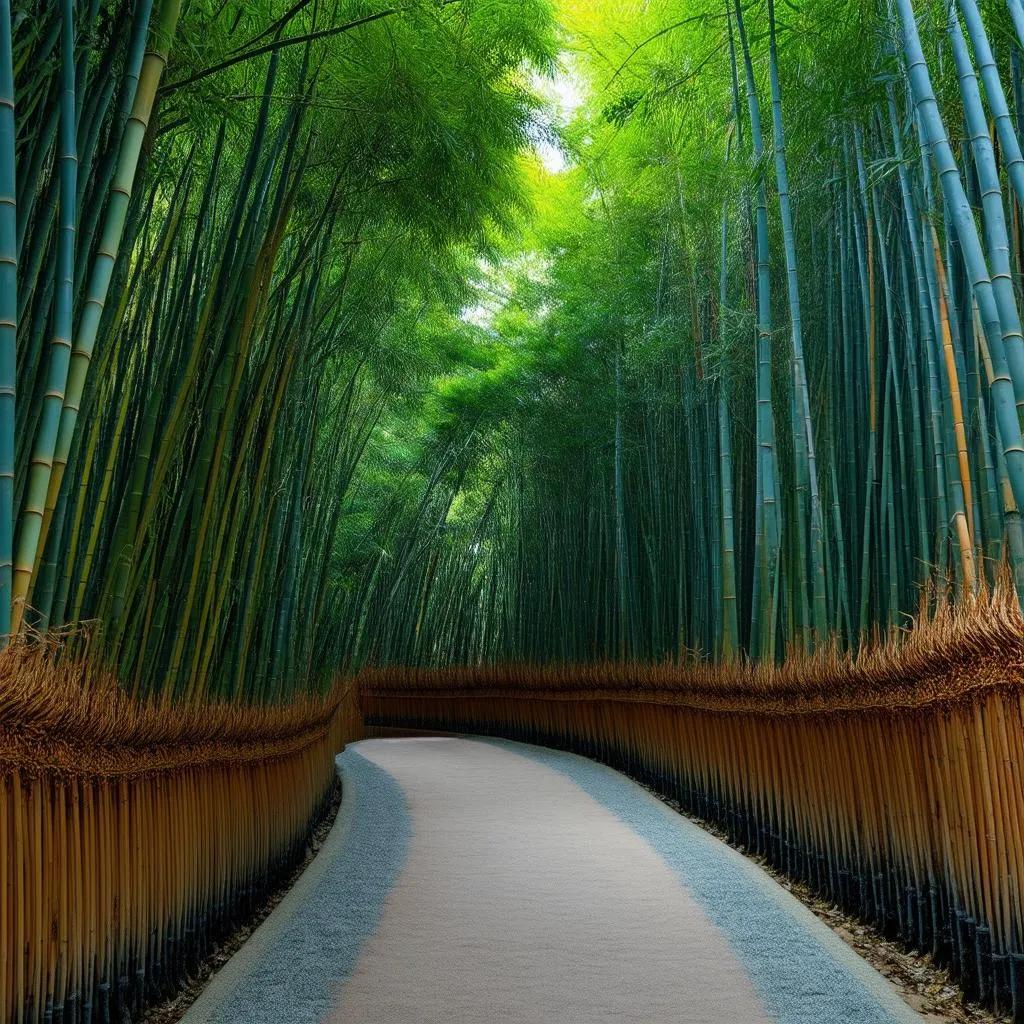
[[925, 986]]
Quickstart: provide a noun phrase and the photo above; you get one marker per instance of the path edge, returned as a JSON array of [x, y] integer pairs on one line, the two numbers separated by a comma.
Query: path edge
[[232, 974]]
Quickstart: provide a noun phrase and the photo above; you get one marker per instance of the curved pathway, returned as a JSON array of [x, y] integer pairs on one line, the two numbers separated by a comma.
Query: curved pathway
[[472, 881]]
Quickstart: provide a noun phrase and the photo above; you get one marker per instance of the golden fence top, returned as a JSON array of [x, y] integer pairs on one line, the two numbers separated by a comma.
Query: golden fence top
[[959, 653], [65, 716]]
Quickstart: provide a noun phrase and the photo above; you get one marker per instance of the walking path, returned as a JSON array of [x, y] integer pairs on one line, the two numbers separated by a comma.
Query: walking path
[[471, 881]]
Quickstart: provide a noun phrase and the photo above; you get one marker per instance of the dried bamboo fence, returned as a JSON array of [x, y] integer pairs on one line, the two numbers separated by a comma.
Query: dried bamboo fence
[[133, 836], [891, 784]]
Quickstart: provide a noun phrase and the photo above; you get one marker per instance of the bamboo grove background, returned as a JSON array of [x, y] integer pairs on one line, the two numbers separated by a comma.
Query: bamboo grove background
[[754, 381], [215, 267], [326, 344]]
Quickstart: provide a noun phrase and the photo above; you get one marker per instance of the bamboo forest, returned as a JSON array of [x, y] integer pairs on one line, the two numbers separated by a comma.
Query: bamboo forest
[[510, 510]]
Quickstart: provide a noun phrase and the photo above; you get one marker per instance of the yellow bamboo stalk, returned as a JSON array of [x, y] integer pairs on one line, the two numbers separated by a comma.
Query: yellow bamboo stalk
[[38, 946], [964, 524], [19, 884]]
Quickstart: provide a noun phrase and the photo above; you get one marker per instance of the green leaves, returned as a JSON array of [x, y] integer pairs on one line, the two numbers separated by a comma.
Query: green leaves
[[641, 370], [311, 196]]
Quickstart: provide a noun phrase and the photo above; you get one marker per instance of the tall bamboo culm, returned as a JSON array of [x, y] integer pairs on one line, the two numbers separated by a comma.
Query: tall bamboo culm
[[133, 837], [887, 783]]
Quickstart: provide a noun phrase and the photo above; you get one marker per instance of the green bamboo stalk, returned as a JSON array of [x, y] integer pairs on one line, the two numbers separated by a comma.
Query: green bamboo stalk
[[8, 311], [765, 588], [30, 523], [865, 236], [997, 239], [730, 612], [145, 69], [820, 611], [1002, 386], [1017, 14]]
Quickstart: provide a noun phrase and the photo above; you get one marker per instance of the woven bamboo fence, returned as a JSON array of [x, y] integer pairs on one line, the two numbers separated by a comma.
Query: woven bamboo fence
[[891, 783], [132, 837]]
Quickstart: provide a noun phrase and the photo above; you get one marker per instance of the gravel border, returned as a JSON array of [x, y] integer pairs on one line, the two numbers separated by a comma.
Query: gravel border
[[924, 986]]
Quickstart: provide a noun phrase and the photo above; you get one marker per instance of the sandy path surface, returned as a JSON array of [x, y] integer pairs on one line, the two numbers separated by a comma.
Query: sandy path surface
[[488, 882], [524, 899]]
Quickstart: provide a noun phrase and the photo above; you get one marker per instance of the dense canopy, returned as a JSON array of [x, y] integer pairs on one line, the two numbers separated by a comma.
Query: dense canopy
[[730, 390], [474, 330]]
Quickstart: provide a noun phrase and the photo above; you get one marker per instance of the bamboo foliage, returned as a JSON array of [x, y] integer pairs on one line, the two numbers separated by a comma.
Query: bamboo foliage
[[892, 359]]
